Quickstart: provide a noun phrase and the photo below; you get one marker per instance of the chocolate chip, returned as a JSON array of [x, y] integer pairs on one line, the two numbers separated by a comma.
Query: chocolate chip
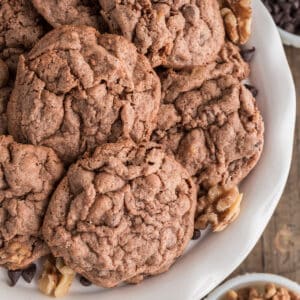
[[29, 273], [252, 89], [248, 54], [14, 276], [285, 14], [296, 5], [84, 281], [196, 234], [276, 9]]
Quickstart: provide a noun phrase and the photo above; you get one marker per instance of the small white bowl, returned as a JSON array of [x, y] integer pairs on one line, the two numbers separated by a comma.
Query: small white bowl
[[289, 39], [253, 279]]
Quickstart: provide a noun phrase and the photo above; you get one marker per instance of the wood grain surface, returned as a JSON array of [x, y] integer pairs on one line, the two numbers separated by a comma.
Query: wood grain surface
[[278, 250]]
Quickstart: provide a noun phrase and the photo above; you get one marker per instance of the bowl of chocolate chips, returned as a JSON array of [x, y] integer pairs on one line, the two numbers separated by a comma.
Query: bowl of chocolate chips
[[286, 15]]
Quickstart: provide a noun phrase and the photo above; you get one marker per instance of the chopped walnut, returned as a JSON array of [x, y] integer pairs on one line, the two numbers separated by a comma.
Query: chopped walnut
[[219, 208], [56, 278], [232, 295], [231, 25], [269, 292], [237, 16]]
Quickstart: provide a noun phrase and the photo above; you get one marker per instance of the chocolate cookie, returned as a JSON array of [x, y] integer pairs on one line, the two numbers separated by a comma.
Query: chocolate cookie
[[212, 125], [5, 91], [28, 175], [124, 213], [77, 89], [20, 29], [70, 12], [171, 33]]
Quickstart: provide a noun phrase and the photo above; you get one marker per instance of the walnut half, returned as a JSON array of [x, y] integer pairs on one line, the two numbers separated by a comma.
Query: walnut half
[[219, 208], [237, 16], [56, 278]]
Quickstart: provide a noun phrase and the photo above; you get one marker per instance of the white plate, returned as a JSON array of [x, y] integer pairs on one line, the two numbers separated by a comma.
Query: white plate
[[209, 261], [254, 279]]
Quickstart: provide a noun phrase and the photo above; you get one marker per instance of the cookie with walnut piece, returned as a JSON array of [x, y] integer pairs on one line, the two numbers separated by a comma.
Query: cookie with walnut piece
[[28, 175], [122, 214]]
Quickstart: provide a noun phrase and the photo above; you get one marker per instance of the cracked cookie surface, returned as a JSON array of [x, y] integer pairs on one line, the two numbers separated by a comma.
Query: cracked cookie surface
[[5, 90], [70, 12], [124, 213], [20, 29], [211, 123], [78, 89], [28, 175], [171, 33]]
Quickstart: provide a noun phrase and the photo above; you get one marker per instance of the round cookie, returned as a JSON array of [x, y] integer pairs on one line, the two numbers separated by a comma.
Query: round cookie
[[20, 29], [28, 175], [5, 91], [70, 12], [171, 33], [122, 214], [78, 89], [212, 125]]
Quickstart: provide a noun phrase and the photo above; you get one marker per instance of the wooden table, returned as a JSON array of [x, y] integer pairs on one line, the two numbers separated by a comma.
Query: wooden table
[[278, 250]]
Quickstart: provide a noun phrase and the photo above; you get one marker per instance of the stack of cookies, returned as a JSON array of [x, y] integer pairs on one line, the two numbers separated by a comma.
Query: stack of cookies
[[125, 129]]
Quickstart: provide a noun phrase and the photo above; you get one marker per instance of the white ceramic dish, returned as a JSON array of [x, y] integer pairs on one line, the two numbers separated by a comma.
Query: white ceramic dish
[[209, 261], [289, 39], [254, 279]]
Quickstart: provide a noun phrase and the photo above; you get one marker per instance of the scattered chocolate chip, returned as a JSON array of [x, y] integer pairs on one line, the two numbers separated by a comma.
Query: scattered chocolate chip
[[285, 14], [29, 273], [252, 89], [196, 234], [84, 281], [248, 54], [14, 276]]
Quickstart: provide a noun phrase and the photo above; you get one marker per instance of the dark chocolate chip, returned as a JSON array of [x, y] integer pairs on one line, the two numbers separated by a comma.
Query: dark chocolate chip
[[296, 5], [84, 281], [14, 276], [196, 234], [29, 273], [285, 13], [275, 9], [277, 18], [248, 54], [252, 89]]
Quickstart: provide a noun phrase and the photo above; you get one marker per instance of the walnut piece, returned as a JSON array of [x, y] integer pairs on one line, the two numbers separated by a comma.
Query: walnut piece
[[56, 278], [232, 295], [237, 16], [219, 208]]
